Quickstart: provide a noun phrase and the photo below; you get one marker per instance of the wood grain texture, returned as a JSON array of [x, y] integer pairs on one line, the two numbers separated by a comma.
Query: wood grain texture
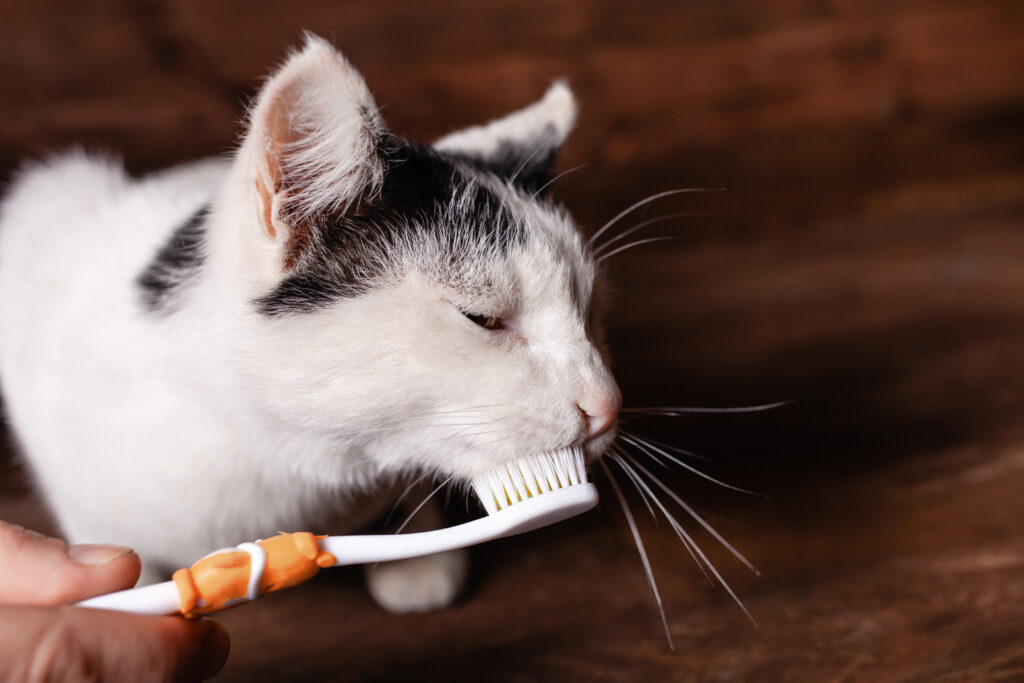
[[866, 260]]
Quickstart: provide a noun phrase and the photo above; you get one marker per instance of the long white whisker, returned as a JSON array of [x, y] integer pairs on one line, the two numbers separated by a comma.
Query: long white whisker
[[405, 419], [420, 506], [603, 257], [678, 410], [436, 425], [410, 487], [474, 435], [646, 447], [640, 547], [467, 410], [623, 434], [668, 447], [644, 202], [684, 537], [555, 179], [461, 434], [505, 436], [643, 496], [644, 224], [693, 513], [710, 566]]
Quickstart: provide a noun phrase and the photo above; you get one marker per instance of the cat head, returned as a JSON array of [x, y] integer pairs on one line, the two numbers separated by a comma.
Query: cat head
[[426, 306]]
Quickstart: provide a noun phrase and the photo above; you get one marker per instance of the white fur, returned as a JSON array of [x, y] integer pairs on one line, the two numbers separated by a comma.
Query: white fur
[[552, 117], [212, 424]]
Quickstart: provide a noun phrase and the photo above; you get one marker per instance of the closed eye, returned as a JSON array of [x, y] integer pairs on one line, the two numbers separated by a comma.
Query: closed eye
[[488, 322]]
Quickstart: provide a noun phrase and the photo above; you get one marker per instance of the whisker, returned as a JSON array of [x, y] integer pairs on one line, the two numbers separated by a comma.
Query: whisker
[[388, 423], [556, 178], [643, 496], [492, 442], [508, 185], [466, 410], [668, 447], [410, 487], [622, 434], [644, 446], [644, 202], [463, 434], [462, 424], [502, 431], [602, 257], [420, 506], [644, 224], [468, 426], [671, 411], [684, 537], [640, 547], [384, 430], [693, 513], [710, 566]]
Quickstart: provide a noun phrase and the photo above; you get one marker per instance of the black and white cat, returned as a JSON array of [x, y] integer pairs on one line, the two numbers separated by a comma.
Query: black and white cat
[[230, 348]]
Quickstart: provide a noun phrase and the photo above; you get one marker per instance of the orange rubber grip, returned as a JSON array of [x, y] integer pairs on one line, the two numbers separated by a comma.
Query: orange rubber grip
[[221, 580]]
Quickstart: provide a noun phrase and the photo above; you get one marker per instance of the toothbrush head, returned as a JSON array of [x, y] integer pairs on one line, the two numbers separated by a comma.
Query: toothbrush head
[[538, 490]]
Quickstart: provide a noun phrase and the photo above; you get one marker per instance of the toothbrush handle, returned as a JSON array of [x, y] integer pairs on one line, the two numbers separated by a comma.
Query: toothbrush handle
[[226, 578], [156, 599]]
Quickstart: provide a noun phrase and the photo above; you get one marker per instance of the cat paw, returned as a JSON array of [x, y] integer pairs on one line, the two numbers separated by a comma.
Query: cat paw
[[419, 584]]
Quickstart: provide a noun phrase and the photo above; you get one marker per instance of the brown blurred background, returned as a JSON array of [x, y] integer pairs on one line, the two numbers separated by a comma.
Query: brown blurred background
[[865, 260]]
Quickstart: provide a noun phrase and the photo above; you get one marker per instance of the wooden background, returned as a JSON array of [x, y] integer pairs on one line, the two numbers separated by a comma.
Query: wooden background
[[866, 260]]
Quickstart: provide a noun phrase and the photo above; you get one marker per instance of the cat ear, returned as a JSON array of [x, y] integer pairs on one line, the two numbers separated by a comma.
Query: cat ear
[[523, 144], [313, 141]]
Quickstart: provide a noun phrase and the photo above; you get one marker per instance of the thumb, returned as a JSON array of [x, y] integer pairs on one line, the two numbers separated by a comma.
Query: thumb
[[37, 570], [70, 643]]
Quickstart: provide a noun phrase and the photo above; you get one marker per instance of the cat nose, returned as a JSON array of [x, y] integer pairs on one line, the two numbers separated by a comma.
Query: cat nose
[[600, 414]]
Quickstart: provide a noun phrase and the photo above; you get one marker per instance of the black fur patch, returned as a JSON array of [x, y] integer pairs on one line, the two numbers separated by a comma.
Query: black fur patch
[[175, 263], [528, 166], [419, 202]]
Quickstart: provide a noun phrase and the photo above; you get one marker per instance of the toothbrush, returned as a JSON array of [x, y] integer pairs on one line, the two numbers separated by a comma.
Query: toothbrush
[[520, 496]]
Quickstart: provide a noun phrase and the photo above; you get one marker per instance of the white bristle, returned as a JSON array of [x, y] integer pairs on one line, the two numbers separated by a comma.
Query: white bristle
[[532, 476]]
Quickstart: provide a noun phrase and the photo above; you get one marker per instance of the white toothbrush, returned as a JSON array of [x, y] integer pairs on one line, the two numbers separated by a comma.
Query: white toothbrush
[[523, 495]]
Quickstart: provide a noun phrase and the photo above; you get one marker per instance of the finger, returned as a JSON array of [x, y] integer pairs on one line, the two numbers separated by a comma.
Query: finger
[[68, 644], [44, 571]]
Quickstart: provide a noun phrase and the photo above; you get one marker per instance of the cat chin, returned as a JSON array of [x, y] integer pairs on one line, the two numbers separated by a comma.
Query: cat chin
[[599, 445]]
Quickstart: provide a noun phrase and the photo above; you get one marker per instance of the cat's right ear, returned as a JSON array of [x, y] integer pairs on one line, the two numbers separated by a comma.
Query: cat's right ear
[[313, 141], [520, 146]]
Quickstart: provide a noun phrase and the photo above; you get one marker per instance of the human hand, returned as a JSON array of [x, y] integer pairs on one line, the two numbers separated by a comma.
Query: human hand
[[42, 637]]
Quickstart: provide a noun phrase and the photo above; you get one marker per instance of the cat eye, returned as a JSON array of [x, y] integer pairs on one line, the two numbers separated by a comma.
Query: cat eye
[[488, 322]]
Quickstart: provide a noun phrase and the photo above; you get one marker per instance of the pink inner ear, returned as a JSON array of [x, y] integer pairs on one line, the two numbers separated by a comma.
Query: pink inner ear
[[271, 183], [278, 118], [278, 133], [263, 196]]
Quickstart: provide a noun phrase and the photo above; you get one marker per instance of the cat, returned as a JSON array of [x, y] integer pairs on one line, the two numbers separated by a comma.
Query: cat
[[212, 353]]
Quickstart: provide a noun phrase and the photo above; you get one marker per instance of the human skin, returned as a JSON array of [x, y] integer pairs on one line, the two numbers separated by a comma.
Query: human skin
[[44, 638]]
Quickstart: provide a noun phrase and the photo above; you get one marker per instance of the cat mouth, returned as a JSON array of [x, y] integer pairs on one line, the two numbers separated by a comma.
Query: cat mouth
[[598, 446]]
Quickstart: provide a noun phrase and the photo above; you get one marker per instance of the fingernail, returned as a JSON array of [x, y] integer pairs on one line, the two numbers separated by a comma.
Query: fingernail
[[214, 650], [93, 553]]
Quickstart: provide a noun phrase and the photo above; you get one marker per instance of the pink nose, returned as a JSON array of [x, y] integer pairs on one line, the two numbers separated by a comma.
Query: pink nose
[[600, 415]]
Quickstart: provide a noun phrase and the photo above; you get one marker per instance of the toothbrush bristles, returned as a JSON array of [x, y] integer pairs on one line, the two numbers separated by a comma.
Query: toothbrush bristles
[[531, 476]]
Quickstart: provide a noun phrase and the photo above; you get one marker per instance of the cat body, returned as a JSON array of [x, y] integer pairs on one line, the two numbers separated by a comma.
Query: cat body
[[216, 352]]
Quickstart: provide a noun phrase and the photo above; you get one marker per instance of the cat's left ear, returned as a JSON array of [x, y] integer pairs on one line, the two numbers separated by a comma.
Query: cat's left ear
[[522, 145]]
